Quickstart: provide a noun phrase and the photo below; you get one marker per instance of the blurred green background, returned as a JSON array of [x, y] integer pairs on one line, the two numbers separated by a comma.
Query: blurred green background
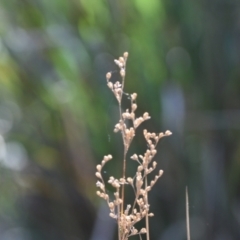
[[57, 114]]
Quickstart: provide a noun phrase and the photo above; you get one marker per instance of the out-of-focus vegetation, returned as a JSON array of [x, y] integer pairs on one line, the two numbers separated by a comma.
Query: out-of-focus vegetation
[[57, 115]]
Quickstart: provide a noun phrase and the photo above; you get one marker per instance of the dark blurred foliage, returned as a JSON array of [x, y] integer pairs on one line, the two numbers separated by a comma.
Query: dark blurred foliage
[[57, 115]]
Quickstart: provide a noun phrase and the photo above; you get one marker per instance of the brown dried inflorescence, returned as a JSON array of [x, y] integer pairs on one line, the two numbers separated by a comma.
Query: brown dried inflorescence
[[128, 215]]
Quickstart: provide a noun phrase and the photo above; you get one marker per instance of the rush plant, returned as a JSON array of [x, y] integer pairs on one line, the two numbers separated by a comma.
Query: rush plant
[[127, 215]]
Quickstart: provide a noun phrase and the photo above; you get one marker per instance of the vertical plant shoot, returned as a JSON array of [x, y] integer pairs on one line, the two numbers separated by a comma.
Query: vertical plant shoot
[[127, 215]]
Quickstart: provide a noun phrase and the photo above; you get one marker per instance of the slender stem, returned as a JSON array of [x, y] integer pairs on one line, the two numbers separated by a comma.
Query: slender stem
[[121, 236], [146, 218], [119, 230], [124, 156], [124, 143], [123, 176], [187, 215]]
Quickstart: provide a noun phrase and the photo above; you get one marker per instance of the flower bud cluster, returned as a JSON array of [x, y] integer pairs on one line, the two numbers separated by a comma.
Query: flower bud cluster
[[117, 88]]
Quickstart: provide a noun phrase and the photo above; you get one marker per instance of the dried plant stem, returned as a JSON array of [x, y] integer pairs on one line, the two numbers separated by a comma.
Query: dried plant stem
[[147, 218], [124, 142], [118, 220], [123, 176], [187, 215]]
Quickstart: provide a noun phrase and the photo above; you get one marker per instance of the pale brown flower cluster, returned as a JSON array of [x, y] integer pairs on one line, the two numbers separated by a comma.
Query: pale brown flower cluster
[[128, 215]]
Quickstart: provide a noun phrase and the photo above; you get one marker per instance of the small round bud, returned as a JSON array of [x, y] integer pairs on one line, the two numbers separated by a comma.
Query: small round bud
[[108, 75], [111, 179], [98, 175], [99, 167], [161, 135], [112, 215], [110, 85], [143, 230], [148, 189], [125, 55], [154, 151], [134, 157], [111, 204], [130, 180], [160, 173], [168, 133], [98, 184], [154, 164], [146, 116], [98, 193], [134, 96], [122, 72], [121, 59], [140, 168], [134, 107]]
